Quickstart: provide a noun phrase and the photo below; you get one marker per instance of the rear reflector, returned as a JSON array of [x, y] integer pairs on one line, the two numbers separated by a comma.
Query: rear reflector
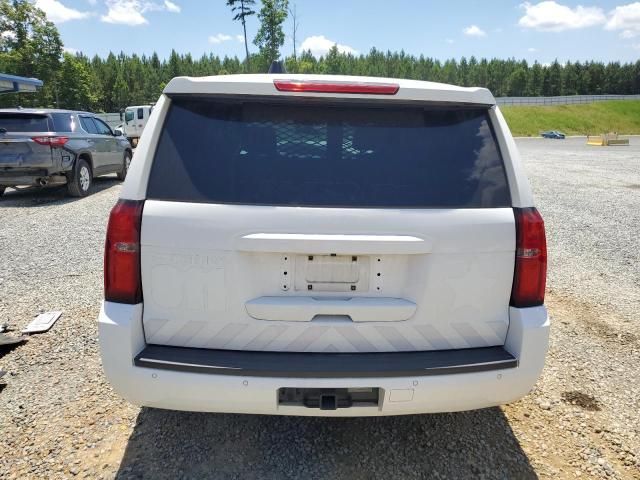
[[51, 141], [336, 87], [122, 281], [530, 276]]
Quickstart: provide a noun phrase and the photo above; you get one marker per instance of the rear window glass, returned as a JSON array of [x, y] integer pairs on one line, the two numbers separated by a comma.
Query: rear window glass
[[10, 122], [327, 155]]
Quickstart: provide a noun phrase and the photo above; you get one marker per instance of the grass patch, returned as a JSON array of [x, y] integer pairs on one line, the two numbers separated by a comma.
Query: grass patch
[[589, 119]]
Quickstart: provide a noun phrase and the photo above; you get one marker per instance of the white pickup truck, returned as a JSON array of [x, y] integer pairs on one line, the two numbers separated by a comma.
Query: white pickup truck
[[135, 119], [324, 245]]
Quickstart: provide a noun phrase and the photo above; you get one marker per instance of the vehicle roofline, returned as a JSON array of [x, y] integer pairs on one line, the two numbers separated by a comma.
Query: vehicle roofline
[[263, 85], [44, 111]]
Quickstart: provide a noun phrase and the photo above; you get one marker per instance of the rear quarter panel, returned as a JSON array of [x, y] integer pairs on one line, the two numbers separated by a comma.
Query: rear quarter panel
[[521, 195]]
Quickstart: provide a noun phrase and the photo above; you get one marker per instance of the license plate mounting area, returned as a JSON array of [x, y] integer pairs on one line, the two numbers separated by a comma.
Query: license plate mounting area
[[332, 273]]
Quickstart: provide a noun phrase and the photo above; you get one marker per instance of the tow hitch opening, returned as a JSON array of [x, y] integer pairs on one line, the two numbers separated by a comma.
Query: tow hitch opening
[[329, 398]]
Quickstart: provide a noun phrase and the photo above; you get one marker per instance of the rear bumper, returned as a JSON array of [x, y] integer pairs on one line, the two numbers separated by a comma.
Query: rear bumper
[[255, 390], [30, 176]]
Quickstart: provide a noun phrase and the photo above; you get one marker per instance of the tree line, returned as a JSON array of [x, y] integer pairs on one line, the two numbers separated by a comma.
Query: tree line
[[33, 48]]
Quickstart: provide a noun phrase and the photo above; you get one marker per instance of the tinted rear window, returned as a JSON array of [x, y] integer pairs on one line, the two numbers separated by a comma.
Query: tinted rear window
[[327, 155], [20, 122]]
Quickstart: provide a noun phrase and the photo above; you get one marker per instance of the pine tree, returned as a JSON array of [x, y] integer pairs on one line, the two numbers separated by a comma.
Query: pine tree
[[270, 36], [77, 89], [242, 10]]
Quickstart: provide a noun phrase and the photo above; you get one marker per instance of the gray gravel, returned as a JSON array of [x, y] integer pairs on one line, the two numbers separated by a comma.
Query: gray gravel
[[590, 199], [60, 418]]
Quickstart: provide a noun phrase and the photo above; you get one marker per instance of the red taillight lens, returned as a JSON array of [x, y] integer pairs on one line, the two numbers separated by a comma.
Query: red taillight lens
[[122, 281], [58, 141], [336, 87], [51, 141], [530, 276]]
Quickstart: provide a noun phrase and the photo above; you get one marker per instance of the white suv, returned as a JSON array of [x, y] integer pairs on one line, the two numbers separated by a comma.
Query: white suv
[[324, 245]]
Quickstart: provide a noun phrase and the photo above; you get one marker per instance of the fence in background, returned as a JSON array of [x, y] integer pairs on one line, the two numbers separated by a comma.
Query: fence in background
[[563, 100], [112, 119]]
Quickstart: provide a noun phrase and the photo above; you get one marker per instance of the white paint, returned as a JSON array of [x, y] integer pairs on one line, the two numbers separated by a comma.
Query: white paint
[[196, 280], [229, 276], [336, 243], [252, 84], [304, 309], [121, 339]]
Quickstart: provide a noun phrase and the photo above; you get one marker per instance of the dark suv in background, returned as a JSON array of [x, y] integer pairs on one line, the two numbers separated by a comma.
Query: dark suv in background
[[40, 147]]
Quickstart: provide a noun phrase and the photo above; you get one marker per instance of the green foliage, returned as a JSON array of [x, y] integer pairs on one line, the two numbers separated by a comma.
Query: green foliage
[[79, 90], [590, 119], [270, 36], [122, 80], [31, 47], [242, 9]]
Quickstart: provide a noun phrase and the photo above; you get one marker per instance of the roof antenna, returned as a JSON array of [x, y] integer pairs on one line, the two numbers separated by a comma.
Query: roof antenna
[[277, 66]]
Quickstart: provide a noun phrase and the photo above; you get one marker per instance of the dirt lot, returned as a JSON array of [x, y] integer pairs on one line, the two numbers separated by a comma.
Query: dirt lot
[[59, 418]]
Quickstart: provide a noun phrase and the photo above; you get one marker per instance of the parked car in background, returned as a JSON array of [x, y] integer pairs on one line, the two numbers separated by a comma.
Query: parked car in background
[[553, 134], [135, 119], [324, 245], [54, 147]]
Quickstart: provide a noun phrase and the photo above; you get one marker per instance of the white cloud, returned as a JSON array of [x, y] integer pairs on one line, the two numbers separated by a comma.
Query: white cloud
[[59, 13], [636, 46], [93, 3], [219, 38], [125, 12], [71, 50], [625, 18], [320, 46], [171, 7], [240, 38], [474, 31], [449, 41], [550, 16], [532, 49], [131, 12]]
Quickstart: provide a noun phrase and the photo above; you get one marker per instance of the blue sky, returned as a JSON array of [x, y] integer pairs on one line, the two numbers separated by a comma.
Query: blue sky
[[542, 31]]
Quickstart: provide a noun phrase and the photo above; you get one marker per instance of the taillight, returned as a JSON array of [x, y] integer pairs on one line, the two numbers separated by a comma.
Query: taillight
[[122, 280], [530, 274], [55, 142], [336, 87]]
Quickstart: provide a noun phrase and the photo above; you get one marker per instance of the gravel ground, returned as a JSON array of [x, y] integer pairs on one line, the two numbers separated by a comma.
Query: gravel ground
[[60, 418]]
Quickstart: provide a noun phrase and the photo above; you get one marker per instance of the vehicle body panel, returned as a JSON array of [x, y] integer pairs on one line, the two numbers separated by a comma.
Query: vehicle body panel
[[20, 151], [191, 288], [237, 278], [122, 338], [25, 162], [259, 85], [135, 120]]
